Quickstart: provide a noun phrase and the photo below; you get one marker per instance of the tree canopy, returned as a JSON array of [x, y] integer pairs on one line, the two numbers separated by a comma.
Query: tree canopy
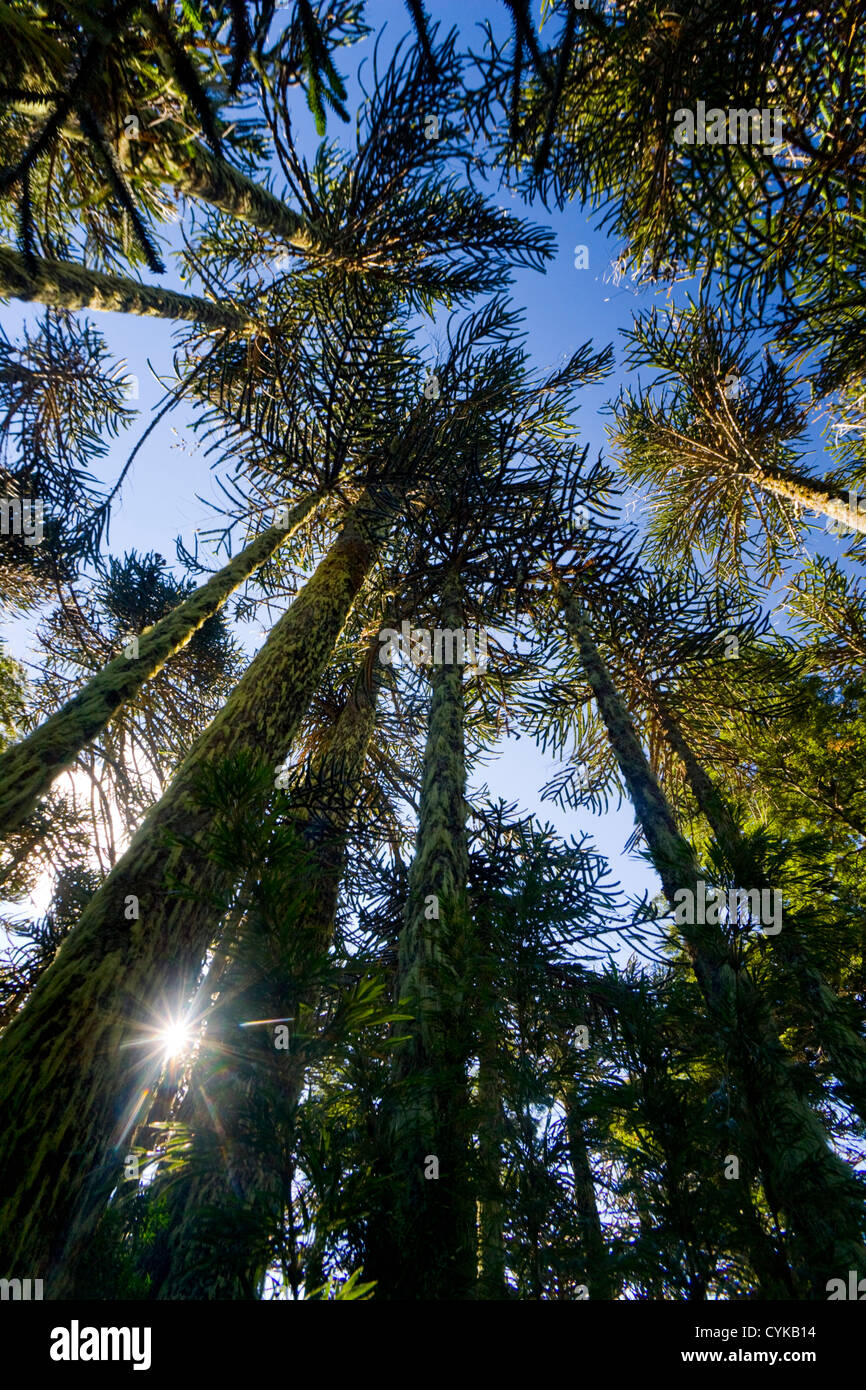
[[292, 1003]]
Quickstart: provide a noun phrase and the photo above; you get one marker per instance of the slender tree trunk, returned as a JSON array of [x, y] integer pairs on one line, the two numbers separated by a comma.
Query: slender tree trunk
[[197, 173], [431, 1237], [28, 768], [65, 285], [710, 801], [201, 175], [802, 1177], [491, 1135], [597, 1263], [73, 1072], [813, 494], [241, 1081], [768, 1262], [843, 1045]]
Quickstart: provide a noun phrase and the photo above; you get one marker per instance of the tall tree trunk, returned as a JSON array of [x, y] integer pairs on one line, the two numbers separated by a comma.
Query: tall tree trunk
[[802, 1177], [596, 1261], [28, 768], [66, 285], [772, 1272], [241, 1081], [843, 1045], [491, 1135], [428, 1250], [72, 1078], [196, 173], [710, 801]]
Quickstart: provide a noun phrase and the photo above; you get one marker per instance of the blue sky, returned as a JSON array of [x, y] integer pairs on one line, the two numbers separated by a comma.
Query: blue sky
[[162, 496]]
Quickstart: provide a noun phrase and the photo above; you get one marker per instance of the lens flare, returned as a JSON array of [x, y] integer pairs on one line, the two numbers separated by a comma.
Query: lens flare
[[174, 1039]]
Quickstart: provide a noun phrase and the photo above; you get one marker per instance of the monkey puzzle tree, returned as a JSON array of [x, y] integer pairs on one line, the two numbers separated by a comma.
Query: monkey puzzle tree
[[461, 563], [538, 905], [160, 957], [690, 665], [305, 452], [661, 1107], [294, 657], [245, 1086], [81, 85], [62, 398], [392, 212], [465, 1106], [722, 471], [796, 1162], [776, 219]]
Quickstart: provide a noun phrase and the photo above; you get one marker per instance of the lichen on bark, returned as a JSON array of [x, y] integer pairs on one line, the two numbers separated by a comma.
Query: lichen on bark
[[430, 1249], [66, 285], [803, 1178], [241, 1084], [72, 1073], [28, 768]]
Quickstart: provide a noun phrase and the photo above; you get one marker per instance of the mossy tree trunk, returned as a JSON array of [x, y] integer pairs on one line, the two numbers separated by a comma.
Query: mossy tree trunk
[[176, 157], [428, 1250], [844, 1047], [244, 1091], [802, 1177], [199, 174], [773, 1275], [491, 1205], [74, 1075], [28, 768], [65, 285]]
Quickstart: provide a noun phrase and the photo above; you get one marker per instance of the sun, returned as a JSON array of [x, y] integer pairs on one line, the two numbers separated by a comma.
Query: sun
[[174, 1039]]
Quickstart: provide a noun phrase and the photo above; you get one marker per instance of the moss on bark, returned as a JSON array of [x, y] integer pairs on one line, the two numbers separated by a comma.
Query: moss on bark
[[65, 285], [491, 1205], [201, 175], [73, 1074], [802, 1177], [429, 1250], [28, 768], [834, 1029], [244, 1091]]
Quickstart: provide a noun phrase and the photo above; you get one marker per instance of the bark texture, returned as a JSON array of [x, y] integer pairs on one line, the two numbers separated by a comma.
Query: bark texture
[[429, 1248], [73, 1074], [803, 1179], [243, 1090], [844, 1046], [216, 181], [594, 1250], [28, 768], [491, 1207], [65, 285], [812, 494]]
